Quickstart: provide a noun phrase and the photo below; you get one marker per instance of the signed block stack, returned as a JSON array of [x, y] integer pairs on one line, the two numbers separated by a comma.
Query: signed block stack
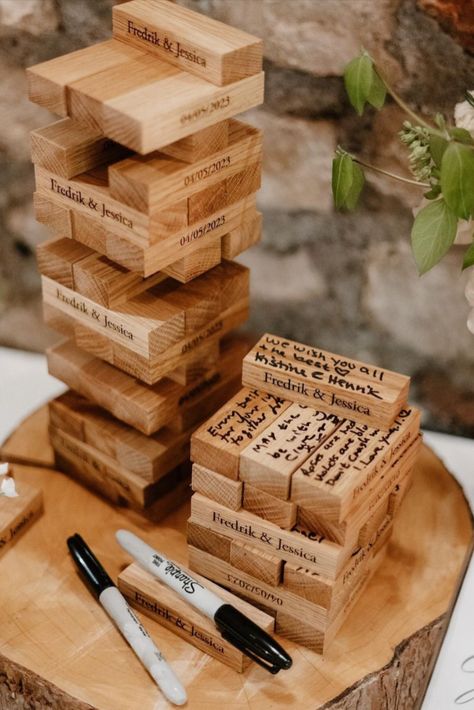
[[148, 183], [297, 480]]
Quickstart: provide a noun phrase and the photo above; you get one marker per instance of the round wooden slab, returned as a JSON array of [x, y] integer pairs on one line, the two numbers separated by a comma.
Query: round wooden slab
[[58, 649]]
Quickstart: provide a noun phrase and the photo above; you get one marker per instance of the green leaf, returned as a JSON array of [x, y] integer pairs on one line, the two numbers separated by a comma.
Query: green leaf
[[378, 92], [433, 232], [468, 260], [457, 179], [347, 181], [440, 121], [437, 147], [433, 193], [461, 135], [358, 78], [356, 187]]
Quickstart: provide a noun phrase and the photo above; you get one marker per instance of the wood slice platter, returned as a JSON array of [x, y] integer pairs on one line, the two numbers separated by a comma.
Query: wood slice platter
[[59, 650]]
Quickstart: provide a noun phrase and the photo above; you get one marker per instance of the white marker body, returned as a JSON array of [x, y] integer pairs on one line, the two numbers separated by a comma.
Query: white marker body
[[139, 639], [170, 574]]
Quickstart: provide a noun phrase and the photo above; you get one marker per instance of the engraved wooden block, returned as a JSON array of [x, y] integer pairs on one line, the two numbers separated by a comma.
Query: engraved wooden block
[[327, 381], [53, 215], [295, 545], [216, 487], [160, 603], [255, 562], [208, 540], [217, 445], [242, 238], [196, 43], [269, 507], [68, 148], [342, 474], [199, 144], [269, 461], [18, 514], [148, 182]]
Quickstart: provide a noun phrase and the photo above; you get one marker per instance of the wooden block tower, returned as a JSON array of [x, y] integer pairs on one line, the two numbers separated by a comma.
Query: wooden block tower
[[148, 183]]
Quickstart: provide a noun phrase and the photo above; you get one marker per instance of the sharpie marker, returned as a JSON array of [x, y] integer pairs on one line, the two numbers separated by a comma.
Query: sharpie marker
[[130, 627], [234, 626]]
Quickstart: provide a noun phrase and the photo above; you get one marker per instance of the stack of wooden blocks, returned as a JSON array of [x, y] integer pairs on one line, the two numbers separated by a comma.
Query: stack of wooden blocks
[[297, 484], [148, 183]]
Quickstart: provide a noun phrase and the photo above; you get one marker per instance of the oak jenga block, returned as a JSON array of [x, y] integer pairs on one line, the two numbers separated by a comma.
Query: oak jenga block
[[89, 340], [208, 540], [66, 413], [145, 183], [56, 320], [68, 148], [197, 263], [269, 461], [93, 234], [56, 259], [327, 381], [347, 469], [269, 507], [19, 513], [200, 144], [53, 215], [207, 201], [205, 357], [217, 445], [216, 487], [48, 81], [160, 603], [242, 238], [255, 562], [244, 183], [191, 41], [295, 545]]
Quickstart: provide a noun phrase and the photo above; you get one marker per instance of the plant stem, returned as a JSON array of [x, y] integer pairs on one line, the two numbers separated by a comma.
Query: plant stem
[[389, 174]]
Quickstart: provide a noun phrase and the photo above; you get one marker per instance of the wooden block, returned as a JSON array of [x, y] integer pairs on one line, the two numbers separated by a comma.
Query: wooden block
[[327, 381], [315, 552], [18, 514], [68, 148], [48, 81], [255, 562], [207, 201], [200, 144], [146, 183], [204, 359], [196, 43], [242, 238], [56, 259], [269, 507], [66, 413], [269, 461], [160, 603], [89, 340], [217, 445], [54, 215], [208, 540], [244, 183], [340, 476], [216, 487], [197, 263], [56, 320]]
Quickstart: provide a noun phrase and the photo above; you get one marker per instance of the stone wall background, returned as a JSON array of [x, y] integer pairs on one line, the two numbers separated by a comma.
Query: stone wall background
[[343, 281]]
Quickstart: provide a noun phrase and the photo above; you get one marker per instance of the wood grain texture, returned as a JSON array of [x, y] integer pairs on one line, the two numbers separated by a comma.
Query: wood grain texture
[[269, 507], [390, 657], [199, 144], [199, 44], [18, 514], [216, 487], [312, 376]]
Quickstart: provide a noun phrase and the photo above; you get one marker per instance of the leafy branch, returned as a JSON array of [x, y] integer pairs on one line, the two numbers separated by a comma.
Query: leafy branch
[[441, 159]]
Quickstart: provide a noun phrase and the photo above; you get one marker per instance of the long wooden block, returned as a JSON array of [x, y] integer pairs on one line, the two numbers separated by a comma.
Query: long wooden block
[[327, 381], [147, 183], [216, 487], [269, 507], [54, 215], [341, 475], [68, 148], [269, 461], [163, 605], [217, 445], [257, 563], [296, 545], [18, 514], [199, 144], [242, 238], [196, 43]]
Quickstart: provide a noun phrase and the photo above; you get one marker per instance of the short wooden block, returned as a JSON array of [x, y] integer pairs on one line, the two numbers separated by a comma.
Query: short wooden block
[[204, 203], [200, 144], [208, 540], [269, 461], [244, 183], [68, 148], [56, 260], [197, 263], [327, 381], [146, 183], [216, 487], [160, 603], [18, 514], [196, 43], [255, 562], [296, 546], [53, 215], [242, 238], [269, 507], [217, 445], [348, 468]]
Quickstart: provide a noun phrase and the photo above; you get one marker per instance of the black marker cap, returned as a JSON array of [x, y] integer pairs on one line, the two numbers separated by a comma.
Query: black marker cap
[[88, 565], [249, 638]]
